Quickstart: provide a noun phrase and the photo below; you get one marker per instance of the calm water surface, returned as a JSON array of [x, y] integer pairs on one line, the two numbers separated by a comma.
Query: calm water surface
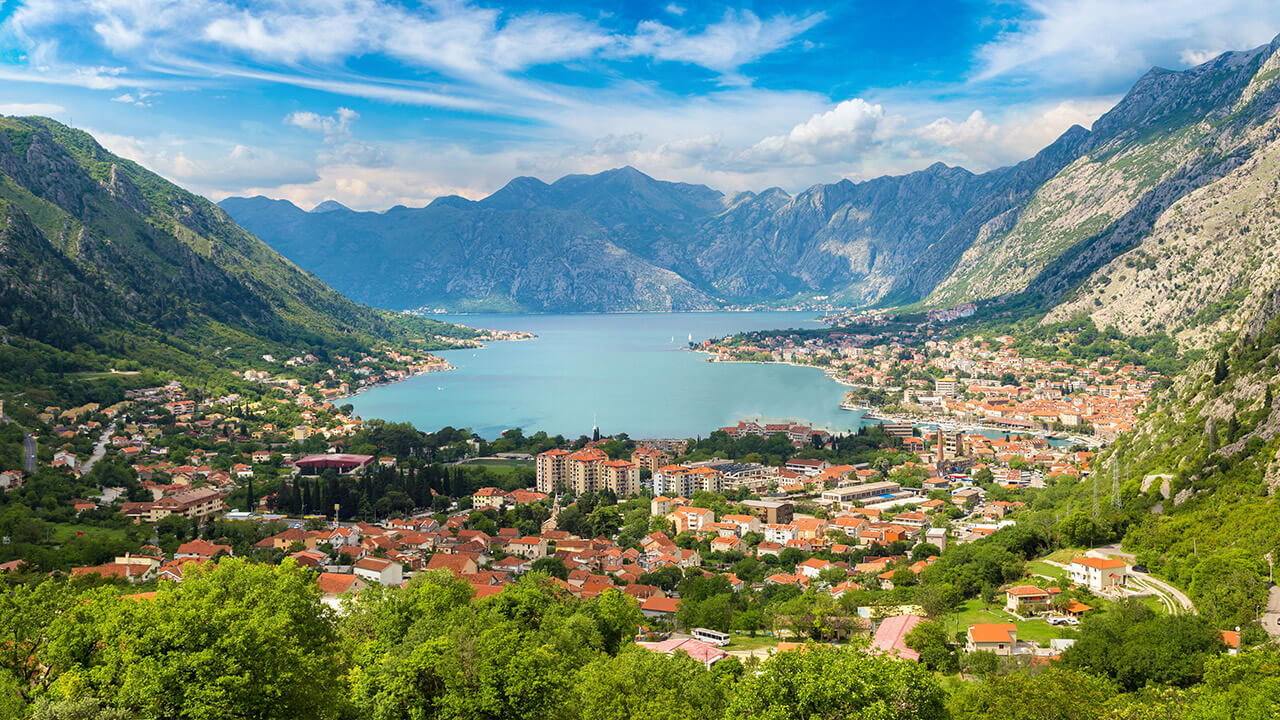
[[628, 372]]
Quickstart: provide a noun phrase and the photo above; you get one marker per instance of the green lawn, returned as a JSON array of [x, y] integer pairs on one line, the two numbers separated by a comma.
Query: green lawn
[[975, 611], [746, 642], [62, 532], [1039, 567], [1064, 555]]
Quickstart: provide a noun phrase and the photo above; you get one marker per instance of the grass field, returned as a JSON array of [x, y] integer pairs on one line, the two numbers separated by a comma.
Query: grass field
[[746, 642], [1039, 567], [1064, 555], [501, 466], [62, 532], [975, 611]]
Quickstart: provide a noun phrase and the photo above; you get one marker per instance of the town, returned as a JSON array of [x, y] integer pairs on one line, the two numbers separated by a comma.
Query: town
[[729, 545], [970, 381]]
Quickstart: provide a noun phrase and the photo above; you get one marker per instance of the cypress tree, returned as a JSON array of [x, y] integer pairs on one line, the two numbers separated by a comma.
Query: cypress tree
[[1220, 369]]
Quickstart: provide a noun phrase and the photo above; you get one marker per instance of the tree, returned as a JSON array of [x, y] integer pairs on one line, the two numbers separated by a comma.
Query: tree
[[1135, 646], [924, 551], [930, 640], [1056, 694], [641, 685], [1220, 369], [552, 566], [829, 682], [938, 599], [233, 640], [979, 663]]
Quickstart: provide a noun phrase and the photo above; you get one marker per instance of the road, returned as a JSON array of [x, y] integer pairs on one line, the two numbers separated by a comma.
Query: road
[[99, 450], [1271, 618], [28, 445]]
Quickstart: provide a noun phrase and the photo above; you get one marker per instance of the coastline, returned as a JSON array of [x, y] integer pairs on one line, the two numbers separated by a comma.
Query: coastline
[[873, 414], [448, 366]]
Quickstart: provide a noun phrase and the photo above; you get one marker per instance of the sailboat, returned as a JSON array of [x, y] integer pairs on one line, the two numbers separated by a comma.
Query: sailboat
[[690, 337]]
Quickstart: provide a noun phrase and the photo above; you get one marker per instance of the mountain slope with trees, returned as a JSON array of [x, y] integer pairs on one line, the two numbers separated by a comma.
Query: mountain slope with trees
[[105, 264]]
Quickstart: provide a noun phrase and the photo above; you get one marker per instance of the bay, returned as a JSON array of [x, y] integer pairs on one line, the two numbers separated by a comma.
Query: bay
[[625, 372]]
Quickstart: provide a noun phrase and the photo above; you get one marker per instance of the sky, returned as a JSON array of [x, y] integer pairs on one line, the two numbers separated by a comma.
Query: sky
[[376, 103]]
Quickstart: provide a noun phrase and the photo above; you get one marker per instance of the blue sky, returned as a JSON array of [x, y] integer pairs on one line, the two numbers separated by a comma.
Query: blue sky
[[383, 102]]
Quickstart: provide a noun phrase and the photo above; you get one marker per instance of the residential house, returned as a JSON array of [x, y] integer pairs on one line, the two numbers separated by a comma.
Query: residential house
[[1098, 574], [378, 570], [999, 638]]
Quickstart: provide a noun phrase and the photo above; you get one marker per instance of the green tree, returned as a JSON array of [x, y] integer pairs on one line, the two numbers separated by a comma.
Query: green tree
[[1135, 646], [1056, 694], [233, 640], [552, 566], [642, 685], [829, 682], [930, 640]]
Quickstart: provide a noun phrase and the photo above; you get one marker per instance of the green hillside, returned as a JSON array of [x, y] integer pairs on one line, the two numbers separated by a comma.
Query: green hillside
[[104, 264]]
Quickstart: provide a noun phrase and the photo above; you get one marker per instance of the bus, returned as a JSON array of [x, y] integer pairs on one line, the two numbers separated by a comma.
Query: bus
[[715, 637]]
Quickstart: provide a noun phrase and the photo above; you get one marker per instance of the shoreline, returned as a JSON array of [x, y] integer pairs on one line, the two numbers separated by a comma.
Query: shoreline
[[871, 414], [450, 366]]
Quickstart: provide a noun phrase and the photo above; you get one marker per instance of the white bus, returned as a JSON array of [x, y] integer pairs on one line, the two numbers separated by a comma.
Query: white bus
[[715, 637]]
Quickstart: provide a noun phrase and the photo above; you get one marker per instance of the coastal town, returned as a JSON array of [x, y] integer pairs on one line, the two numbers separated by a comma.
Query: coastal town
[[788, 519], [973, 382]]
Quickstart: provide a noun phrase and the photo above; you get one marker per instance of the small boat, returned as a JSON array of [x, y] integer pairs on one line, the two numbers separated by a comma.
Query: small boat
[[439, 387], [690, 337]]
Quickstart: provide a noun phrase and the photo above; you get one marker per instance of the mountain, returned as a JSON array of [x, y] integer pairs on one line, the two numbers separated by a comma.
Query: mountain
[[621, 240], [101, 258], [1047, 231]]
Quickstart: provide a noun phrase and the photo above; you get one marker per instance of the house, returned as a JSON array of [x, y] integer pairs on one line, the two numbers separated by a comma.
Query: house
[[260, 456], [456, 564], [200, 550], [1231, 638], [999, 638], [812, 567], [383, 572], [807, 467], [335, 585], [241, 471], [890, 636], [529, 548], [488, 497], [1098, 574], [660, 607], [1024, 599], [705, 653]]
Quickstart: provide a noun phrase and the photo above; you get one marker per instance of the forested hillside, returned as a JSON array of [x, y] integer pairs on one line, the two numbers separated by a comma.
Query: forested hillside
[[104, 264]]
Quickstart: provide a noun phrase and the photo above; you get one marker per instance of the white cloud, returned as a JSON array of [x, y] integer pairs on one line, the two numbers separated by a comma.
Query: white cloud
[[845, 131], [1098, 43], [339, 123], [205, 167], [725, 46], [137, 97], [30, 109], [674, 9]]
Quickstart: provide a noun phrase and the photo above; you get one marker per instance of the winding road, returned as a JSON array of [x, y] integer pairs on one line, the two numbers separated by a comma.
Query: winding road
[[1271, 618]]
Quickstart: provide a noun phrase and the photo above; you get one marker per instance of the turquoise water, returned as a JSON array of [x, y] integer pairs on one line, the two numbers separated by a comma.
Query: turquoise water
[[629, 372]]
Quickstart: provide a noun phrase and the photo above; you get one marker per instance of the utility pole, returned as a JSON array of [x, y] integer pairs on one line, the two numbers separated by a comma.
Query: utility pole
[[1115, 487]]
